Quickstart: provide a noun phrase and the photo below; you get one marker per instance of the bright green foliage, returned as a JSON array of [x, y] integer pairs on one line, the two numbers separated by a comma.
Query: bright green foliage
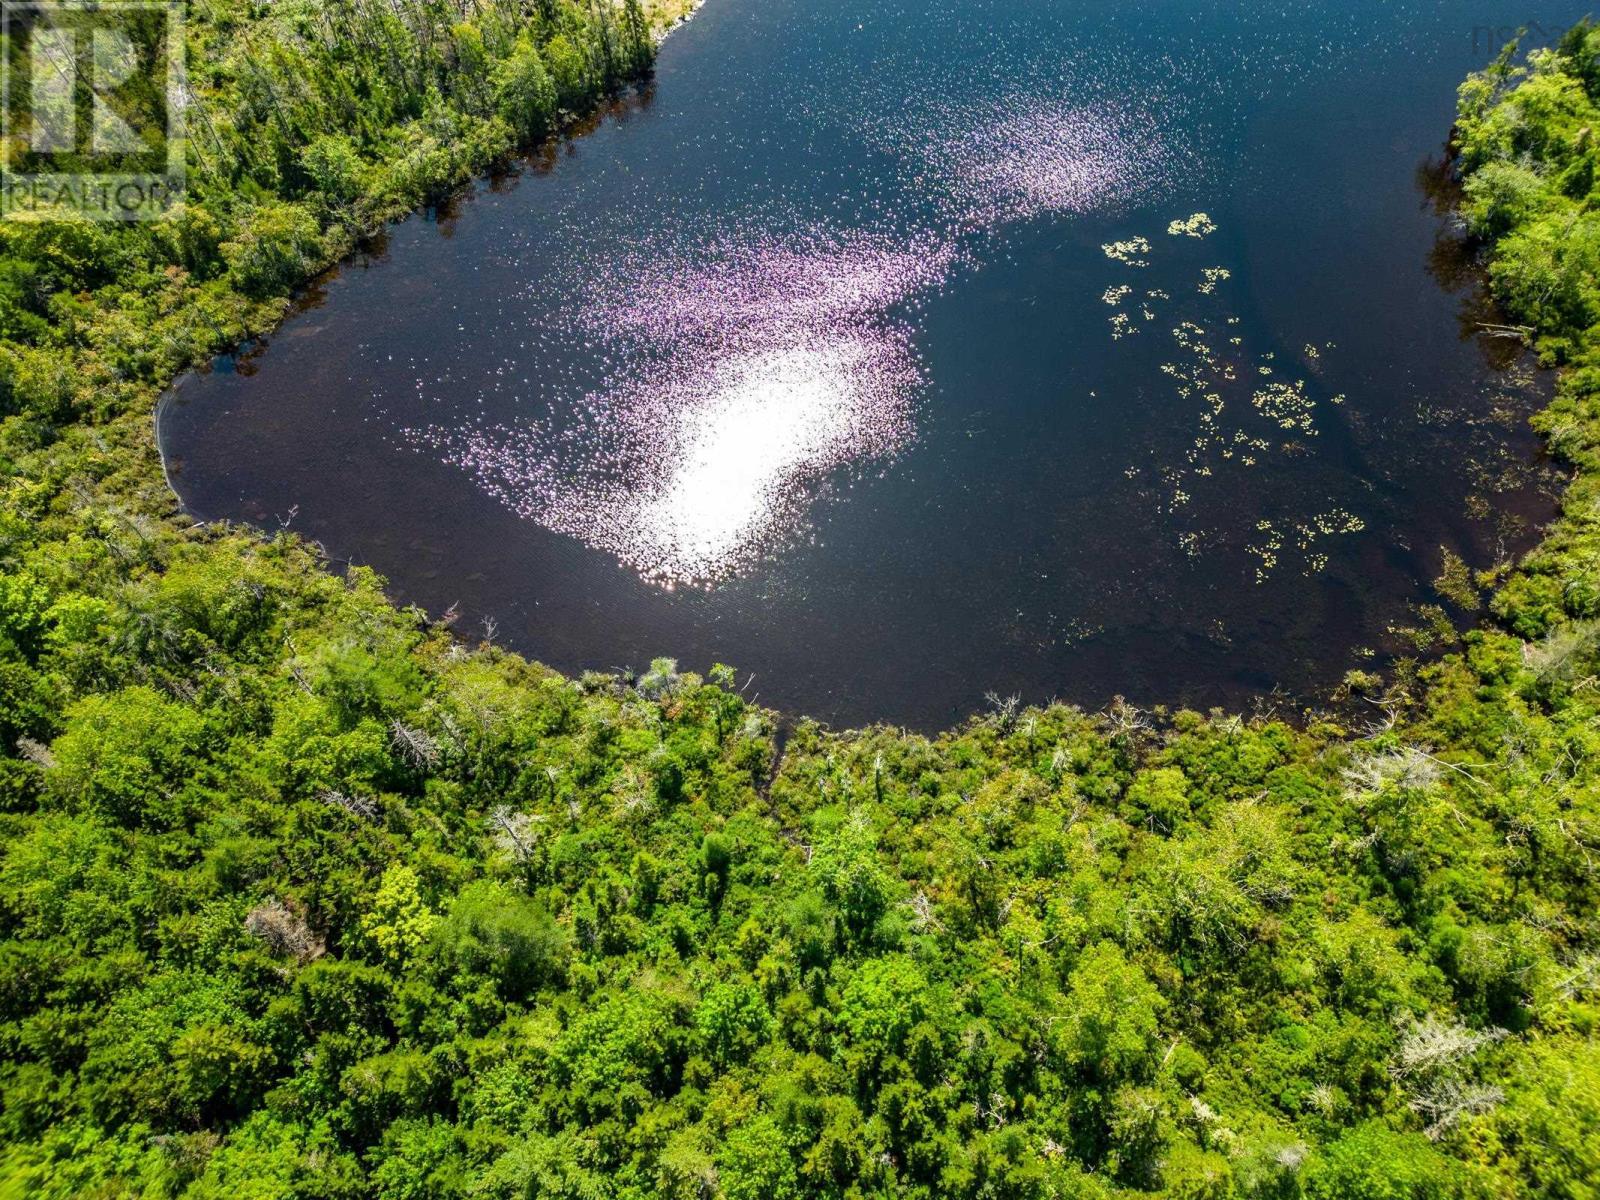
[[1110, 1017], [126, 754], [399, 922], [496, 933], [850, 877], [755, 1164], [733, 1022], [525, 95], [1375, 1163], [333, 906]]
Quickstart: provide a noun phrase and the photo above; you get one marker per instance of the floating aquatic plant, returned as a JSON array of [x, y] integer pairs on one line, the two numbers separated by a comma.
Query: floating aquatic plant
[[1196, 226], [1128, 252], [1288, 405]]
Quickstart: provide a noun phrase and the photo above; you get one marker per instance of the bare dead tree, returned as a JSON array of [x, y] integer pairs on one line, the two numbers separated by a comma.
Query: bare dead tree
[[414, 745], [1003, 710], [360, 807], [1433, 1064], [35, 752], [1406, 768], [284, 931], [515, 833]]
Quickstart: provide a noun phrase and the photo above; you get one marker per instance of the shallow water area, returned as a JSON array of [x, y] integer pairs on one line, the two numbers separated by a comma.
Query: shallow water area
[[898, 356]]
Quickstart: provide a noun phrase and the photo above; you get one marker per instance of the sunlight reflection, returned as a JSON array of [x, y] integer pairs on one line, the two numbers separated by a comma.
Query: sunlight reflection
[[692, 473], [748, 368], [770, 420]]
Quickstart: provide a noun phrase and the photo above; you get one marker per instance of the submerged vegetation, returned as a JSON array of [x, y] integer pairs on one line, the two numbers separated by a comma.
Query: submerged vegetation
[[302, 895]]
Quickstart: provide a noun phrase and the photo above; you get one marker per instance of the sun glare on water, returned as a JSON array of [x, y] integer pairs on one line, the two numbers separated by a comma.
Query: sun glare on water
[[752, 364], [770, 420]]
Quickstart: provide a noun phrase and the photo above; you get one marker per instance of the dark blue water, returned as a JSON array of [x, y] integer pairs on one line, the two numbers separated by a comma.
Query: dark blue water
[[902, 355]]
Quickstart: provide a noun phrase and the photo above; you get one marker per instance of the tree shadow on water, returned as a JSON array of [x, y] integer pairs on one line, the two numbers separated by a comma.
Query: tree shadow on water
[[1456, 262]]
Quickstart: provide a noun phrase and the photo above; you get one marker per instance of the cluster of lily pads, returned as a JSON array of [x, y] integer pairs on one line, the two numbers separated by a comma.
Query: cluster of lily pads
[[1211, 364]]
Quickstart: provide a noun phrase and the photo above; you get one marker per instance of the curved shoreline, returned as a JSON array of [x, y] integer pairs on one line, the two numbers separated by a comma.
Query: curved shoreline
[[1238, 694]]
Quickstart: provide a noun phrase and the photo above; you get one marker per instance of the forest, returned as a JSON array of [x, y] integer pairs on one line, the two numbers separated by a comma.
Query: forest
[[303, 894]]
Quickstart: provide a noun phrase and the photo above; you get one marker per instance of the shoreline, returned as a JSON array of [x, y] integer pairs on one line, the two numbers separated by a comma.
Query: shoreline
[[687, 14]]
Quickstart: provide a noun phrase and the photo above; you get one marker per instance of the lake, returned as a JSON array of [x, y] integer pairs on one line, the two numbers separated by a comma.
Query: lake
[[905, 353]]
